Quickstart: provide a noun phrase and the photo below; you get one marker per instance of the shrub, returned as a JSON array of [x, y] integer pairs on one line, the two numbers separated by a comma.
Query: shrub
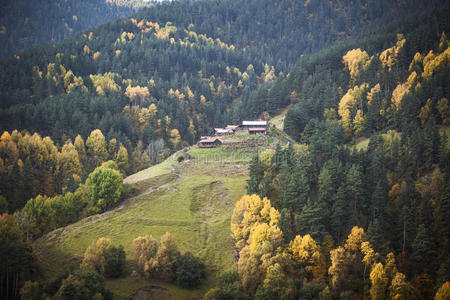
[[189, 270], [114, 261]]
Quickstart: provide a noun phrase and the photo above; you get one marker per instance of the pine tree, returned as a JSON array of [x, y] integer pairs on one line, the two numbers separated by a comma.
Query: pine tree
[[431, 143], [310, 221], [379, 201], [290, 194], [303, 188], [443, 153], [444, 211], [256, 176], [424, 250], [326, 186], [376, 236], [355, 187], [285, 225], [340, 213]]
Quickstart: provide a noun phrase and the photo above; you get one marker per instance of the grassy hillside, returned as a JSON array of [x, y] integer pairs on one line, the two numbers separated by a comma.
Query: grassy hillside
[[192, 199]]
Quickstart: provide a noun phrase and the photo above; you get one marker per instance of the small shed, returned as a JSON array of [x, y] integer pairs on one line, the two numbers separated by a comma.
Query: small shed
[[223, 131], [209, 143]]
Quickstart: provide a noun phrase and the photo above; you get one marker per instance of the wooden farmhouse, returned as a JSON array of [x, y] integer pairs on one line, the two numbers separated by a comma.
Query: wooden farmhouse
[[257, 130], [255, 127], [209, 142]]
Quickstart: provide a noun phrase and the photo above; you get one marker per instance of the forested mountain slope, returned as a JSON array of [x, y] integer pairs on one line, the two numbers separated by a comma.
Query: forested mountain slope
[[162, 81], [363, 202], [24, 24], [357, 209], [281, 31]]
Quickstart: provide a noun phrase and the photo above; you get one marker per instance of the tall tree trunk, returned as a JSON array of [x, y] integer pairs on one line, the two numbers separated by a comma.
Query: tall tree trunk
[[16, 289], [1, 284], [404, 234], [7, 283]]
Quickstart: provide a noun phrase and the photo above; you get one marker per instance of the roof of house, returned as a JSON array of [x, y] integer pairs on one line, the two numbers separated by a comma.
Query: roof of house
[[254, 123], [256, 129], [210, 140], [232, 127], [222, 130]]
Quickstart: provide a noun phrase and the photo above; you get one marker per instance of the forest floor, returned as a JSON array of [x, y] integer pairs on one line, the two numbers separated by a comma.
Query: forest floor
[[192, 199]]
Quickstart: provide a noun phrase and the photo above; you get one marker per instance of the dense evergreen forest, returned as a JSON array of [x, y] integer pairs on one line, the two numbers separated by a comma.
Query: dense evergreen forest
[[148, 82], [360, 207], [25, 24], [357, 208]]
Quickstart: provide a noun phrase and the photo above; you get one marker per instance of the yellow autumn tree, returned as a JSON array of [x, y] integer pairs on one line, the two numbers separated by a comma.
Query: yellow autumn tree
[[444, 292], [121, 159], [355, 239], [401, 289], [137, 94], [174, 137], [250, 270], [401, 89], [370, 256], [249, 211], [353, 98], [444, 111], [373, 91], [145, 249], [254, 225], [379, 282], [278, 282], [425, 112], [68, 163], [306, 253], [338, 268], [389, 57], [94, 256], [356, 60], [105, 82], [166, 256], [433, 62], [266, 157], [416, 63], [96, 147], [358, 122]]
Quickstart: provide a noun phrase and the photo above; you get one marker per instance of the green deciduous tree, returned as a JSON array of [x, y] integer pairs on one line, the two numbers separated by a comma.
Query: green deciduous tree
[[104, 188], [114, 261], [189, 270]]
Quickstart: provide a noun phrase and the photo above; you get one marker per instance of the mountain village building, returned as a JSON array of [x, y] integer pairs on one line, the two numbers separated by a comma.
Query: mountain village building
[[209, 142]]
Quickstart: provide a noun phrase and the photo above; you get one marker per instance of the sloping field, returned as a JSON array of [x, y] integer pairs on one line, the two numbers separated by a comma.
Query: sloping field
[[193, 200]]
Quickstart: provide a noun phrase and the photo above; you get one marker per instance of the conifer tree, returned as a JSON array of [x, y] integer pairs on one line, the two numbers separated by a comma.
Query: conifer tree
[[310, 220], [340, 213], [376, 236], [424, 249]]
